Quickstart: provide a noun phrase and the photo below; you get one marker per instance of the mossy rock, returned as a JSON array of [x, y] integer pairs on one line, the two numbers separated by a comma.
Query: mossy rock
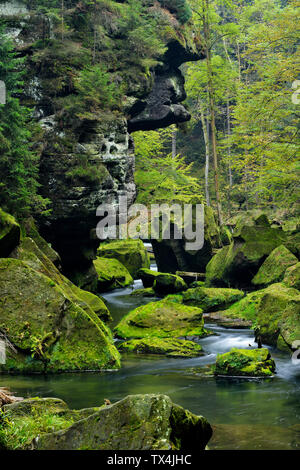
[[163, 319], [148, 292], [31, 231], [273, 268], [235, 265], [48, 329], [211, 299], [168, 284], [292, 276], [131, 253], [168, 347], [292, 243], [245, 309], [112, 274], [9, 234], [29, 252], [226, 235], [138, 422], [148, 277], [278, 316], [246, 363]]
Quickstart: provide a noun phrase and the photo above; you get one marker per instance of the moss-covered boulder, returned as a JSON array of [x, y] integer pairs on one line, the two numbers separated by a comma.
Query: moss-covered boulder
[[47, 327], [131, 253], [245, 309], [235, 265], [278, 316], [138, 422], [148, 277], [163, 319], [31, 231], [292, 276], [147, 292], [111, 274], [9, 234], [211, 299], [273, 268], [167, 346], [245, 362], [168, 284], [30, 253]]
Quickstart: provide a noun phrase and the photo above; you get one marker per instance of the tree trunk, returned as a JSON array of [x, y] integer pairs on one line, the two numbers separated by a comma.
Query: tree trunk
[[174, 143]]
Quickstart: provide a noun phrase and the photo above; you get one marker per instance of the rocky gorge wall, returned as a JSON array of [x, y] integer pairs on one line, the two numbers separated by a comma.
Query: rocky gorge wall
[[87, 161]]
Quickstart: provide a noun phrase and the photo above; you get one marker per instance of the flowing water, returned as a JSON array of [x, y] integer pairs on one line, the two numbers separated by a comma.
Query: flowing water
[[245, 413]]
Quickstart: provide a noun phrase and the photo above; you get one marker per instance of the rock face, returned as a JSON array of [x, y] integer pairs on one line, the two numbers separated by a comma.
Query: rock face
[[131, 253], [235, 265], [111, 274], [90, 161], [139, 422], [165, 284], [50, 326], [163, 319], [292, 276], [274, 267], [167, 347], [211, 300], [171, 255], [245, 362], [9, 234]]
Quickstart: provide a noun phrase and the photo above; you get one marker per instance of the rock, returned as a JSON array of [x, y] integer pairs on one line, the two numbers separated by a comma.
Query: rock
[[30, 253], [148, 277], [278, 316], [226, 235], [171, 255], [139, 422], [167, 346], [292, 276], [245, 310], [168, 284], [32, 232], [292, 243], [111, 274], [49, 330], [131, 253], [245, 362], [211, 299], [235, 265], [9, 234], [273, 268], [148, 292], [163, 319]]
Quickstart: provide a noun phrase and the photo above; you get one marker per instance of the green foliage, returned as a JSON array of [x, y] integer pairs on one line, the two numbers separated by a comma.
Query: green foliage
[[181, 8], [18, 163]]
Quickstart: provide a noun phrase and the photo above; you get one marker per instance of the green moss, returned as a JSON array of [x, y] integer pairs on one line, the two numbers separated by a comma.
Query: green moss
[[111, 274], [274, 267], [292, 276], [168, 284], [246, 308], [30, 230], [167, 346], [163, 319], [244, 362], [211, 299], [148, 276], [148, 292], [131, 253], [9, 233]]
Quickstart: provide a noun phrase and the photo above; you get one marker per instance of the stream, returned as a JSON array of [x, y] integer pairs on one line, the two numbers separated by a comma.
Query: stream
[[246, 414]]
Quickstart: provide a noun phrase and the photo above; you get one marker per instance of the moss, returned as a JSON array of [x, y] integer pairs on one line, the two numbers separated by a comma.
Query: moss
[[292, 276], [189, 432], [274, 267], [148, 292], [168, 284], [49, 328], [9, 234], [163, 319], [131, 253], [148, 276], [31, 231], [246, 308], [111, 274], [244, 362], [211, 299], [167, 346]]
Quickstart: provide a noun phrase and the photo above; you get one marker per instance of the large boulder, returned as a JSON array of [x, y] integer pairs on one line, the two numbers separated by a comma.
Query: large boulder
[[167, 346], [138, 422], [168, 284], [9, 234], [163, 319], [111, 274], [273, 268], [235, 265], [31, 231], [131, 253], [48, 329], [211, 299], [148, 277], [292, 276], [245, 362]]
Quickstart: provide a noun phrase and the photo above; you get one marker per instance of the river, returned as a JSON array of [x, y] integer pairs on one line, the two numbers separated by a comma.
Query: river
[[245, 413]]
